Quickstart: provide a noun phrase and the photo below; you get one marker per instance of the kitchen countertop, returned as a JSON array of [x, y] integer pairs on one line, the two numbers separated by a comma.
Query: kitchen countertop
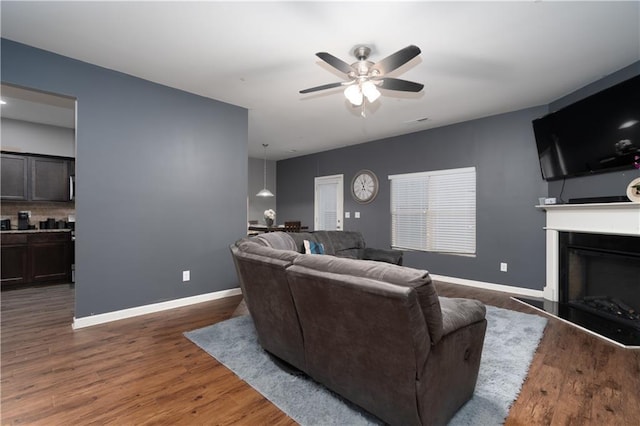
[[33, 231]]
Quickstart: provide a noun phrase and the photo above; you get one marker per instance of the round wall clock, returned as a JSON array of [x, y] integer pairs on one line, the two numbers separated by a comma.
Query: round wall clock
[[633, 190], [364, 186]]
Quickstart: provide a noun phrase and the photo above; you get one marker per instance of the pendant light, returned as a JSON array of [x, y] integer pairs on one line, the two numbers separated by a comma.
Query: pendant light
[[264, 192]]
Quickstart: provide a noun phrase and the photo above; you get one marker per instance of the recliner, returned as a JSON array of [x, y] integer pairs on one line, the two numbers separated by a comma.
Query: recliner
[[373, 332]]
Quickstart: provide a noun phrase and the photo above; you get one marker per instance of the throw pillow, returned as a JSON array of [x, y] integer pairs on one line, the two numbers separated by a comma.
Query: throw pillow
[[311, 247]]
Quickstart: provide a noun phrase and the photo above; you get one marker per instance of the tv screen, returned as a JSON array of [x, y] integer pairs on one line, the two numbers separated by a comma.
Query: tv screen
[[597, 134]]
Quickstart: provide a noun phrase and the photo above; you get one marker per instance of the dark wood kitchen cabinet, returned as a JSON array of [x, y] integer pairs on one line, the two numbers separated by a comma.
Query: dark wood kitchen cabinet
[[14, 174], [30, 177], [48, 255], [13, 253], [36, 257], [49, 179]]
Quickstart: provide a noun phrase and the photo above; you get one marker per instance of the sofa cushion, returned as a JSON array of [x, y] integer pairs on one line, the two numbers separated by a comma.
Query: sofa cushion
[[366, 268], [277, 240], [349, 244], [354, 253], [400, 275], [256, 248], [336, 242], [382, 255]]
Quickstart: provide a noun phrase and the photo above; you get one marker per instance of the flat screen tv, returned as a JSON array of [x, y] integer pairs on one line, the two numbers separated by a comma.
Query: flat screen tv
[[597, 134]]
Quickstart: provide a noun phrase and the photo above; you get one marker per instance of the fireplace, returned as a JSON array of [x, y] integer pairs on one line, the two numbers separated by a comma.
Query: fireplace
[[593, 269], [600, 275]]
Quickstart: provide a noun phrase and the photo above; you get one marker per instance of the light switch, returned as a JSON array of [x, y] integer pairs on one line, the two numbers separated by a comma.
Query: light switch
[[347, 215], [356, 215]]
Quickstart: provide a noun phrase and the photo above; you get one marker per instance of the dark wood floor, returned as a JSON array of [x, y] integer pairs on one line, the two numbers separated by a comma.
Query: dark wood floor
[[143, 370]]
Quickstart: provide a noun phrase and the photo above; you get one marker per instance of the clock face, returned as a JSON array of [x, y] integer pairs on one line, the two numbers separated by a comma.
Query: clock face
[[364, 186]]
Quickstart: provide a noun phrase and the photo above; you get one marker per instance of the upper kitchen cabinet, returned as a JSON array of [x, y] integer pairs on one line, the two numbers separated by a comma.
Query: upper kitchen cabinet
[[36, 177], [38, 144], [14, 174], [49, 179]]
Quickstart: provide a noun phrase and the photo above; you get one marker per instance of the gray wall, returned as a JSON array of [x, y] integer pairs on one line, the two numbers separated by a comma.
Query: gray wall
[[598, 185], [509, 182], [509, 228], [161, 177], [257, 205], [35, 138]]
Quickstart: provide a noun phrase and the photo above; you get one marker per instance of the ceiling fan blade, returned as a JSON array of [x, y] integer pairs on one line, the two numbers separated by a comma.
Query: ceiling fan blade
[[396, 60], [323, 87], [338, 64], [402, 85]]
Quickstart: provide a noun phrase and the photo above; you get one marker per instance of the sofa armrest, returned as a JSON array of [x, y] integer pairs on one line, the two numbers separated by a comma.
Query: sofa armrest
[[459, 313], [383, 255]]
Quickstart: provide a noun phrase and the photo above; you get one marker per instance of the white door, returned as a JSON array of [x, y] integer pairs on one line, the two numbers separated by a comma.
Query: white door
[[328, 210]]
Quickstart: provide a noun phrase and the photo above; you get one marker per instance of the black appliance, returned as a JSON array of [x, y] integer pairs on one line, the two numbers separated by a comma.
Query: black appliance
[[5, 224], [23, 220], [597, 134]]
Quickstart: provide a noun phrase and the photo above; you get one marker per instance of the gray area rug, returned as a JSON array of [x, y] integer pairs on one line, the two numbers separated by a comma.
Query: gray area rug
[[510, 343]]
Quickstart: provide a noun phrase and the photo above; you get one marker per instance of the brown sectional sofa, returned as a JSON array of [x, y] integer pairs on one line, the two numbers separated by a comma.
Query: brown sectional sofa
[[373, 332]]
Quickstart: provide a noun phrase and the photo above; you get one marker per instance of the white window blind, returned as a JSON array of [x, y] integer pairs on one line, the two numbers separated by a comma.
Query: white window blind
[[434, 211], [326, 198]]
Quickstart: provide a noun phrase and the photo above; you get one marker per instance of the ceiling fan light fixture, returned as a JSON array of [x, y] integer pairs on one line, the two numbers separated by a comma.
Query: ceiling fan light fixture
[[370, 90], [354, 94], [365, 76]]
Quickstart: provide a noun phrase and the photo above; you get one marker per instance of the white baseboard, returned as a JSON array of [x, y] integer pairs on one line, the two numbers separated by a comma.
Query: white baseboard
[[489, 286], [177, 303], [148, 309]]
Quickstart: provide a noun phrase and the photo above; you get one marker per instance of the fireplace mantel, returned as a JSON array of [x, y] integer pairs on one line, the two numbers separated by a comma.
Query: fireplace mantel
[[597, 218], [600, 218]]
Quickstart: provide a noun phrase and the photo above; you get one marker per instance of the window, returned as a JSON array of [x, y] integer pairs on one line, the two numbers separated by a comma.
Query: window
[[434, 211]]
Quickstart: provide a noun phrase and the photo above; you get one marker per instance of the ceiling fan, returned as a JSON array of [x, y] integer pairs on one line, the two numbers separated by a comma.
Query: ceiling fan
[[365, 76]]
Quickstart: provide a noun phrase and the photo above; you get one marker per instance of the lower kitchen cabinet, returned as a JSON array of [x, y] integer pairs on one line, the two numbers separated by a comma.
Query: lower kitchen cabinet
[[49, 257], [14, 268], [36, 257]]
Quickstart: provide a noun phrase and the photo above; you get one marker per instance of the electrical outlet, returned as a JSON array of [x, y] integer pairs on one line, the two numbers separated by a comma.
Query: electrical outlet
[[186, 275], [356, 215], [503, 267], [347, 215]]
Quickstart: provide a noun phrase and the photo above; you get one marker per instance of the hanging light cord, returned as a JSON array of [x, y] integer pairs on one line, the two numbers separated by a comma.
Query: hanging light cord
[[265, 145]]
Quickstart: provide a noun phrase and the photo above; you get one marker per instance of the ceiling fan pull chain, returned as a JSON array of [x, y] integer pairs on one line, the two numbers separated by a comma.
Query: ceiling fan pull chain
[[362, 113]]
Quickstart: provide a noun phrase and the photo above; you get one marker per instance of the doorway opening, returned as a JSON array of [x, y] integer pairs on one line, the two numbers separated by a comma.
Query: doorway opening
[[39, 146]]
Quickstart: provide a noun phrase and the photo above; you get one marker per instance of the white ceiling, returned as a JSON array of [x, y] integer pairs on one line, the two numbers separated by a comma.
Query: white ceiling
[[478, 58], [38, 107]]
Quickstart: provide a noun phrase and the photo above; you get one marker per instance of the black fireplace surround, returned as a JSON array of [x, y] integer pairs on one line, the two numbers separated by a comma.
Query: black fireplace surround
[[599, 285]]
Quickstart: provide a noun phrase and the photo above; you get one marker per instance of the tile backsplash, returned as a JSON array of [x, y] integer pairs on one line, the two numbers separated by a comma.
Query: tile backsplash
[[40, 211]]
